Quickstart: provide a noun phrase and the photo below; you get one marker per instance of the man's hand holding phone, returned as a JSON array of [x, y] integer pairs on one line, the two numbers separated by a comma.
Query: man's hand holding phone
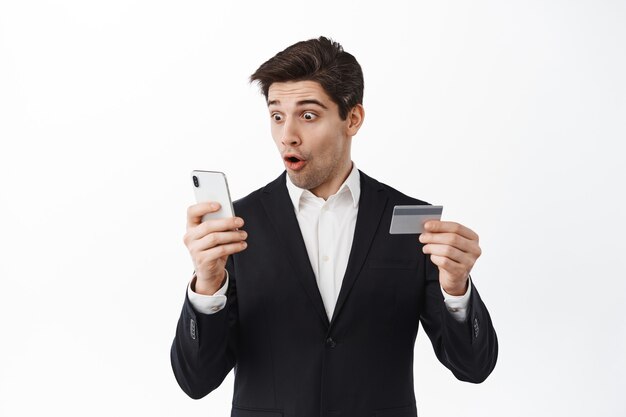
[[210, 243]]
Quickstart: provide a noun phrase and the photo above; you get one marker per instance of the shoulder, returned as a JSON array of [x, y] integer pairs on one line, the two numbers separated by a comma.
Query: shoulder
[[252, 200], [395, 197]]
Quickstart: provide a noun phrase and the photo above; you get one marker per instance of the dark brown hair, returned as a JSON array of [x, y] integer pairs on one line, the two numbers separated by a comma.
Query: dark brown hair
[[321, 60]]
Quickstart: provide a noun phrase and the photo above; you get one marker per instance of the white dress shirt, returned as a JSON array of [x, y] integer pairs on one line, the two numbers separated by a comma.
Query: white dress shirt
[[327, 228]]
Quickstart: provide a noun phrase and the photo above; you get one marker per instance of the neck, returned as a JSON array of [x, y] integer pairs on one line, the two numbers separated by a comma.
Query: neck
[[331, 187]]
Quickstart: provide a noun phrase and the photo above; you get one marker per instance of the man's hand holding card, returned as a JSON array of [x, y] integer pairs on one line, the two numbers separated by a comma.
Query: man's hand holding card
[[452, 247]]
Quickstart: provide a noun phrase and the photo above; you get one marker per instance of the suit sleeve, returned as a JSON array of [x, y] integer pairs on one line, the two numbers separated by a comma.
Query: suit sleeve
[[469, 348], [204, 348]]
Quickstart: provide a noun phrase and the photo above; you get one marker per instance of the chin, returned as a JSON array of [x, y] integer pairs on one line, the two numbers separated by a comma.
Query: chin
[[298, 180], [303, 181]]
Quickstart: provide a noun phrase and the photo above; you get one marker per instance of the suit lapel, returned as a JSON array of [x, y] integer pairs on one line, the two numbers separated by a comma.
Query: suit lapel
[[280, 211], [371, 208]]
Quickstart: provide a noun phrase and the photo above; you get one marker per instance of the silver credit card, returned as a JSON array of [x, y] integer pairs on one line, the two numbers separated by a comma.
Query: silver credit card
[[410, 219]]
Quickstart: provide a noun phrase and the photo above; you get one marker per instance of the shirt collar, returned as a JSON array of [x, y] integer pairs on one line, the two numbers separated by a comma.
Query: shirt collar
[[352, 184]]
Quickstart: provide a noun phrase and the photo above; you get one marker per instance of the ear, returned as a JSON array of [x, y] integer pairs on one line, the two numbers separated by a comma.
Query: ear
[[354, 120]]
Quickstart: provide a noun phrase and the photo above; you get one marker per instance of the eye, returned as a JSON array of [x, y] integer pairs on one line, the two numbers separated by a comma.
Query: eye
[[276, 117], [309, 116]]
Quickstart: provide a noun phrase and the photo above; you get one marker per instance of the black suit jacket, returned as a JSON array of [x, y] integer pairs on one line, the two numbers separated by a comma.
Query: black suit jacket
[[289, 360]]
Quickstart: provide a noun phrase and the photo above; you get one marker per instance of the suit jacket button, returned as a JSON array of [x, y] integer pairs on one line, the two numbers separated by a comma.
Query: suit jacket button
[[330, 342]]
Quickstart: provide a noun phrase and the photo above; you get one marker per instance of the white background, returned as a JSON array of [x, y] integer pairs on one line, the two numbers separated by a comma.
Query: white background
[[510, 114]]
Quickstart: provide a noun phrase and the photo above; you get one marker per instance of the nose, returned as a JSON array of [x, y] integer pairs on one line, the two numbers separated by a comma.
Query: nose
[[290, 136]]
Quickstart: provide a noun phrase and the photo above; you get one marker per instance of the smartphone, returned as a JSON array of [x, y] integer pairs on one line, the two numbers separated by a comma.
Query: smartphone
[[212, 186]]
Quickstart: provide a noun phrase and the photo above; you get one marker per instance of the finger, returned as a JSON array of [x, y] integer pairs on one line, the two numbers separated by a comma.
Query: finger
[[448, 264], [438, 226], [452, 239], [218, 238], [195, 212], [221, 251], [449, 252], [211, 226]]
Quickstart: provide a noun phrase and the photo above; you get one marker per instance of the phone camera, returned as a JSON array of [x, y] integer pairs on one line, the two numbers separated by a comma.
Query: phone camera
[[195, 181]]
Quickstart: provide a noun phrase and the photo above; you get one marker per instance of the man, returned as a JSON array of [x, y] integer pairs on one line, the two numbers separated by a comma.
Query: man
[[311, 300]]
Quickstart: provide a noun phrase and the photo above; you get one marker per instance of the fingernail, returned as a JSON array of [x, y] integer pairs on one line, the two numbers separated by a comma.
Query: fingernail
[[238, 222], [215, 206]]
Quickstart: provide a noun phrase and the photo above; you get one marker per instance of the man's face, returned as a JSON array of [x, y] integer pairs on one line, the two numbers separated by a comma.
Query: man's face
[[311, 137]]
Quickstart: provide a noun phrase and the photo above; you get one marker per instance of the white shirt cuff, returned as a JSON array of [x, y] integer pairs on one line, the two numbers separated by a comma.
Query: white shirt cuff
[[208, 304], [457, 304]]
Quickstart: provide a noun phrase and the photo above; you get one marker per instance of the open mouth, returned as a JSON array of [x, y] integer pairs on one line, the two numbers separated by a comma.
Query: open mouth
[[294, 163]]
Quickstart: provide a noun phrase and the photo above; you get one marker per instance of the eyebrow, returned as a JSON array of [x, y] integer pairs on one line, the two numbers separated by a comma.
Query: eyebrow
[[300, 103]]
